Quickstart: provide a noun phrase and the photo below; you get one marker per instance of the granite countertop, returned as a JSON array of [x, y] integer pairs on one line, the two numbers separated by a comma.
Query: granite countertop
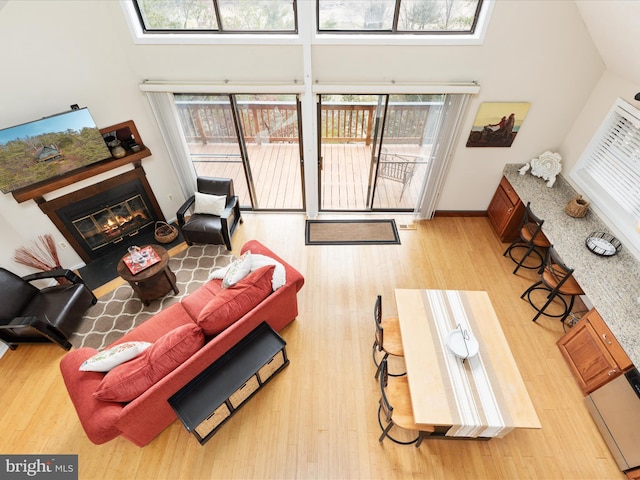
[[612, 284]]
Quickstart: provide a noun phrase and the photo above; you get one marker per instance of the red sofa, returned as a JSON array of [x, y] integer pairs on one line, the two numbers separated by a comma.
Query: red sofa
[[143, 418]]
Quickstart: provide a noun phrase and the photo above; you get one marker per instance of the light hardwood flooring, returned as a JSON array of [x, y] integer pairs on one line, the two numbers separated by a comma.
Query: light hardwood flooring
[[317, 418]]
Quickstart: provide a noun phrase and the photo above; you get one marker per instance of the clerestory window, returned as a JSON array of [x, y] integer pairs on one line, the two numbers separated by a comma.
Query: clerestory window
[[398, 16], [217, 16], [391, 18]]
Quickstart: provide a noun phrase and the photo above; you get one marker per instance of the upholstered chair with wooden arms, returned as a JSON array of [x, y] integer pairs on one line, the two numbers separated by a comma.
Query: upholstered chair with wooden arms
[[214, 213], [388, 340], [49, 314]]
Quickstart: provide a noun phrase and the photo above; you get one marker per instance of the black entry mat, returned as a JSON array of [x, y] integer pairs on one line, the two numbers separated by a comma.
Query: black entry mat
[[104, 269]]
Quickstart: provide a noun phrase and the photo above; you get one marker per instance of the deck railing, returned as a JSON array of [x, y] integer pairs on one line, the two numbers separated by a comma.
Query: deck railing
[[212, 122]]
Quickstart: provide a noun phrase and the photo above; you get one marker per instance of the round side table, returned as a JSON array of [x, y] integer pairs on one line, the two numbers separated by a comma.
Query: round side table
[[153, 282]]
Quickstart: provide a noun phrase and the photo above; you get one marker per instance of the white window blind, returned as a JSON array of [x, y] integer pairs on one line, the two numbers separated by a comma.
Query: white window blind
[[615, 161], [609, 170]]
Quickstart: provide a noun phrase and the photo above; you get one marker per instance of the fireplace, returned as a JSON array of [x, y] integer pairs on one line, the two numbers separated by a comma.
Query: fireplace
[[96, 219]]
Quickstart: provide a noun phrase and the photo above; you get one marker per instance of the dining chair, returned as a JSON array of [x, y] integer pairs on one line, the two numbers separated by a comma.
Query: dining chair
[[395, 409], [532, 239], [387, 338], [557, 279]]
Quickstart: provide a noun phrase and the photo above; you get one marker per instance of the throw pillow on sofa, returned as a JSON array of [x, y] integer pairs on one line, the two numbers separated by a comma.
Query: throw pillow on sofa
[[237, 270], [129, 380], [112, 357], [236, 301]]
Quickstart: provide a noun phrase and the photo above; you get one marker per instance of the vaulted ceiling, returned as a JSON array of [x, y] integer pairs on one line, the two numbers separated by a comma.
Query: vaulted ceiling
[[614, 26]]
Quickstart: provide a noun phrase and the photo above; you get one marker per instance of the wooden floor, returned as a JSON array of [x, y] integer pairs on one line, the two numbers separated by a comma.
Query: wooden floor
[[317, 419], [276, 173]]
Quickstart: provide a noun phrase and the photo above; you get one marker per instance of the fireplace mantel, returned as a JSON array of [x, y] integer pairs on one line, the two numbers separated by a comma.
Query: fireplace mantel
[[123, 131]]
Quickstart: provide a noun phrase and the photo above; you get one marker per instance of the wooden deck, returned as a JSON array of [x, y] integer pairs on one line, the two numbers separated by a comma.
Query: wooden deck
[[276, 173]]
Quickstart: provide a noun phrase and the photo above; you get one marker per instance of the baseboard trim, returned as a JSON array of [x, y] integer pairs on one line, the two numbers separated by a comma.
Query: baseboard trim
[[460, 213]]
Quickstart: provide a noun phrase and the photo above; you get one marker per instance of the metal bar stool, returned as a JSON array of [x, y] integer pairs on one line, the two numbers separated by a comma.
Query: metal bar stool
[[557, 279], [387, 338], [532, 239]]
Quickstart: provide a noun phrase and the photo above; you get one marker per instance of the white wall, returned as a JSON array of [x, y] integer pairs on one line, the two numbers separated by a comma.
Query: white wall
[[58, 53]]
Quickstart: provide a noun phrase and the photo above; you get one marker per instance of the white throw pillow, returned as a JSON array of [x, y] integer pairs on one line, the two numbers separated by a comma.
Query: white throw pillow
[[279, 274], [112, 357], [210, 204], [238, 269]]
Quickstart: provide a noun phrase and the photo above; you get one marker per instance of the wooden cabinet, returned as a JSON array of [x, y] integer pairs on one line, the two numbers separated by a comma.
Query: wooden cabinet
[[212, 397], [633, 474], [593, 354], [505, 212]]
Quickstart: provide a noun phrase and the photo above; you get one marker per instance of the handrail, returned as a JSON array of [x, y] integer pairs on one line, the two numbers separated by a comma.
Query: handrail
[[212, 122]]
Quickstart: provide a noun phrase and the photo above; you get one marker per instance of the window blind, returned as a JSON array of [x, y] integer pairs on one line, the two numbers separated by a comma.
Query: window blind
[[615, 161], [608, 172]]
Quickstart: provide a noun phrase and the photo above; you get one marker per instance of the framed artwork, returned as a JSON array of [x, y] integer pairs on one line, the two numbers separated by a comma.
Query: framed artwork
[[497, 124]]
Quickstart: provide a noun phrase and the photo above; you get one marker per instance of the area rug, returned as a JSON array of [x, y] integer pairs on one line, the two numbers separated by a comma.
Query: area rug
[[351, 232], [120, 310]]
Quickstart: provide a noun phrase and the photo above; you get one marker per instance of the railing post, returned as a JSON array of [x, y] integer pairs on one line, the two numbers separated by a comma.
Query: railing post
[[199, 126]]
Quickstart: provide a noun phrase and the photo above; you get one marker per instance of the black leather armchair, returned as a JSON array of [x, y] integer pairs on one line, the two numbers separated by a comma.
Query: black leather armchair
[[206, 228], [50, 314]]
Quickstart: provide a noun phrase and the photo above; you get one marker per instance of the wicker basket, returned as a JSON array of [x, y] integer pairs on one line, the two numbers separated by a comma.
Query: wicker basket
[[577, 207], [165, 233]]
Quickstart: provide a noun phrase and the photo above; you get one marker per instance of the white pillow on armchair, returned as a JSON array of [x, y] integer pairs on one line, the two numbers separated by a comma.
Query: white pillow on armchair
[[210, 204]]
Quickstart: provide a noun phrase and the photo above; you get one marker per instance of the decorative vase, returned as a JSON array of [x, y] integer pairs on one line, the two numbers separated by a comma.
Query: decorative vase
[[118, 152], [577, 207]]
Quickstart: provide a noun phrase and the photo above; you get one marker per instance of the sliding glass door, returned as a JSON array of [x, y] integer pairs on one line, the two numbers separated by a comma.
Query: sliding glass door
[[254, 139], [375, 150]]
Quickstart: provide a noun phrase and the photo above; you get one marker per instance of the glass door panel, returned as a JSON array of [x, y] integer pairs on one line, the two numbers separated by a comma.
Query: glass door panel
[[271, 136], [405, 151], [253, 139], [346, 123], [210, 133]]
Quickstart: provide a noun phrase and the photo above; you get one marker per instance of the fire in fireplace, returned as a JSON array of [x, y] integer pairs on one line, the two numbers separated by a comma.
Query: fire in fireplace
[[96, 219]]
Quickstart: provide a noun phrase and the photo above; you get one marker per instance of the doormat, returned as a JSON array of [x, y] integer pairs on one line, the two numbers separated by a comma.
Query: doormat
[[351, 232]]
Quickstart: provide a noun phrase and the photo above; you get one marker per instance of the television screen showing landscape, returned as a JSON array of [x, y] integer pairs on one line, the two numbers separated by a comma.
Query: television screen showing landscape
[[42, 149]]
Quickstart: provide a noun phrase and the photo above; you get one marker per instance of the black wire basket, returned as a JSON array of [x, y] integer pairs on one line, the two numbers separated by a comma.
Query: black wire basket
[[603, 244]]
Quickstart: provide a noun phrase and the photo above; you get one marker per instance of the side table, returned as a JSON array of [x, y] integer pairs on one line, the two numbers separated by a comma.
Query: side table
[[152, 282]]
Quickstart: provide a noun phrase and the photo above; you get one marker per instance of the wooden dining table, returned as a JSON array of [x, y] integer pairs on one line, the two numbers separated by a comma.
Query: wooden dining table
[[476, 396]]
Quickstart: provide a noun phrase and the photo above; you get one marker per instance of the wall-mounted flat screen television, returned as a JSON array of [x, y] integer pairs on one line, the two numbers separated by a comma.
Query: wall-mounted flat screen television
[[47, 148]]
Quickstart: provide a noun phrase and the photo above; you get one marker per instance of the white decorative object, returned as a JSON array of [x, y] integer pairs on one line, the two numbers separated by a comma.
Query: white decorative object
[[546, 166]]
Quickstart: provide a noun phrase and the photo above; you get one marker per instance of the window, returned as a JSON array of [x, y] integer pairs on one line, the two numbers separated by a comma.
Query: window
[[217, 16], [398, 16], [210, 21], [609, 170]]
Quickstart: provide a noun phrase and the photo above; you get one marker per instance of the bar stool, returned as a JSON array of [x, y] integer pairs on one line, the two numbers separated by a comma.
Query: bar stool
[[387, 338], [557, 279], [531, 238]]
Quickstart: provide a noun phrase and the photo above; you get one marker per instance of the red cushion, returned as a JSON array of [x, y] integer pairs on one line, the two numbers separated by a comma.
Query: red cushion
[[130, 379], [236, 301]]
